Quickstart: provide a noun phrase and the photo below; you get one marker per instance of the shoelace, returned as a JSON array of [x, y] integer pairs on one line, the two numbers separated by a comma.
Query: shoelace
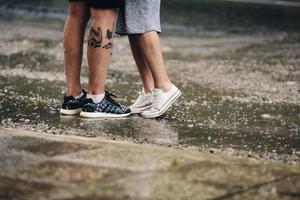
[[142, 97], [156, 99], [109, 96]]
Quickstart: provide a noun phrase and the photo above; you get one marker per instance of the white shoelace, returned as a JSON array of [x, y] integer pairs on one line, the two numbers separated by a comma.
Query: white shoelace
[[141, 98], [156, 100]]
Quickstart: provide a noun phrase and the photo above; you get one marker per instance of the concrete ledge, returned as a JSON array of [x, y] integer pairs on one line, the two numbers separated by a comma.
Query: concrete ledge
[[37, 165]]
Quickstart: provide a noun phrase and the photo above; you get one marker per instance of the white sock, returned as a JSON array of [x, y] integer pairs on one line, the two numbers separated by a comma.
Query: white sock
[[96, 98], [79, 96]]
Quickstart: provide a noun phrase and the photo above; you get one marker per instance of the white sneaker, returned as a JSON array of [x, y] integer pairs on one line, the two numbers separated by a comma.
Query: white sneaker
[[142, 103], [161, 102]]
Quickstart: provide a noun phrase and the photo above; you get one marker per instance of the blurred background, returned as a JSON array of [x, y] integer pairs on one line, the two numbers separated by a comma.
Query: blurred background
[[233, 134], [236, 61], [230, 15]]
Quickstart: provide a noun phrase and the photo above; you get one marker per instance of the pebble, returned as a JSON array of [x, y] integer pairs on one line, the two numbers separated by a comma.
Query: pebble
[[204, 103], [291, 83], [292, 162], [252, 155], [213, 150], [264, 99], [268, 116], [190, 126]]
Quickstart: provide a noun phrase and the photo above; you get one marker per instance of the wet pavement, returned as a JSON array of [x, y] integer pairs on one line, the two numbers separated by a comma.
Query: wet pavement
[[263, 123], [240, 112], [206, 119], [44, 166]]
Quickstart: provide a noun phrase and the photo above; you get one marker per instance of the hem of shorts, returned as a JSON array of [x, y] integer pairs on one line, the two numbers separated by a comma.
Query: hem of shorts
[[136, 32]]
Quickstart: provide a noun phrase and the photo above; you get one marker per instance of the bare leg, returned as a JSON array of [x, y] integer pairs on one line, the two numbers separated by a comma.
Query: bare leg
[[143, 67], [78, 15], [150, 49], [100, 48]]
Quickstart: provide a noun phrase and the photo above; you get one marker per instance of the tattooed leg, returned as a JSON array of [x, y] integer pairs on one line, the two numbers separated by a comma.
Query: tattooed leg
[[100, 43], [95, 37]]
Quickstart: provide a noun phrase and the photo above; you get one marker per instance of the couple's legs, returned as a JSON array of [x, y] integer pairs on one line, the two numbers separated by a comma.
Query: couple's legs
[[99, 48], [147, 53], [146, 50]]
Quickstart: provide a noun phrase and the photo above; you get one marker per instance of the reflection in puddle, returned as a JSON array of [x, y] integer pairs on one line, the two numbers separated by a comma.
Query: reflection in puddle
[[158, 132], [142, 130], [200, 118]]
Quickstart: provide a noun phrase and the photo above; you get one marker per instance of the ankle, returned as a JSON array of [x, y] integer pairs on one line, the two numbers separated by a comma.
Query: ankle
[[165, 87], [74, 92], [96, 91], [148, 90]]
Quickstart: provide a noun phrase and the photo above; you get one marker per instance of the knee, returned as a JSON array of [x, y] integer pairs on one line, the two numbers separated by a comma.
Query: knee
[[147, 38], [79, 12], [135, 37], [102, 14]]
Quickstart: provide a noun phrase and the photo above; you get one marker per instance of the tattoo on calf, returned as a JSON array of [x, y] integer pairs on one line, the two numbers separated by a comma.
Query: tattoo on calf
[[108, 46], [109, 34], [95, 38]]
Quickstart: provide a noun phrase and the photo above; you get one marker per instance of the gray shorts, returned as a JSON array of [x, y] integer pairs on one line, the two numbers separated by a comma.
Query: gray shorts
[[138, 16]]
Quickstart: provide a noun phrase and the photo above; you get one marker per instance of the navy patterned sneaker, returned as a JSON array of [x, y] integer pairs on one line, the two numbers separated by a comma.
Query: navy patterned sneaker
[[107, 108], [71, 105]]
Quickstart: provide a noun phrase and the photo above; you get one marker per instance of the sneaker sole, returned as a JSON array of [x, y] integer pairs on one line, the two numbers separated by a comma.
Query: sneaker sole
[[70, 112], [165, 107], [102, 115], [140, 110]]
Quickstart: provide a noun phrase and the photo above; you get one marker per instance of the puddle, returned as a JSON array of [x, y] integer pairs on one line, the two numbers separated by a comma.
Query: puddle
[[200, 118]]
